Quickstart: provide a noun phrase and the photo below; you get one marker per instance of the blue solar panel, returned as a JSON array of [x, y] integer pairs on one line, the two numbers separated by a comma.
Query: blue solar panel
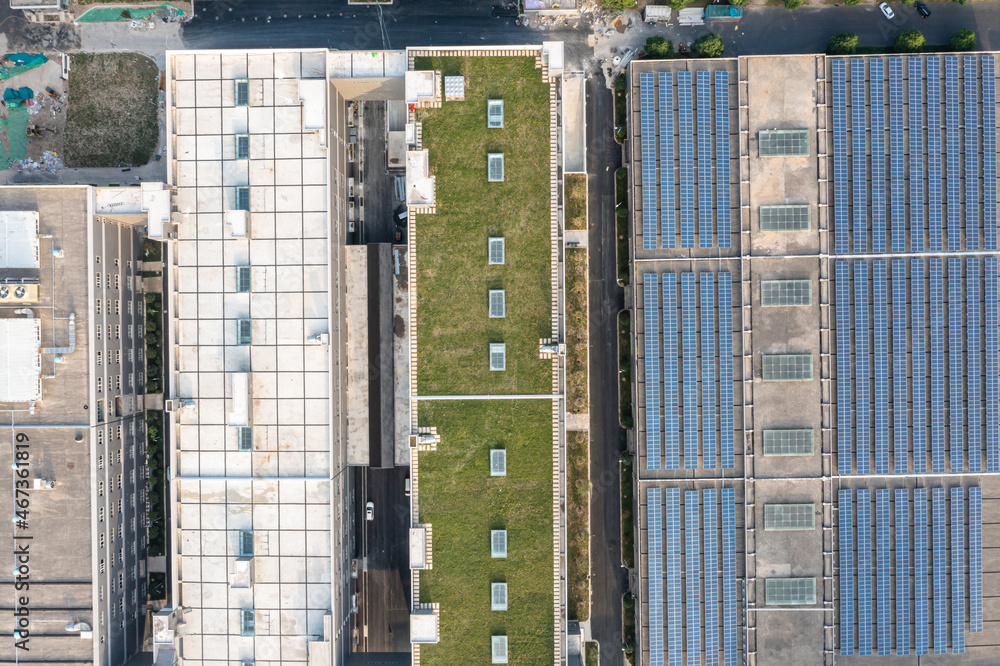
[[992, 356], [937, 367], [920, 618], [934, 153], [864, 572], [971, 153], [859, 151], [690, 341], [975, 560], [705, 237], [723, 222], [973, 357], [711, 546], [989, 152], [954, 169], [675, 645], [726, 442], [957, 570], [841, 213], [877, 184], [862, 394], [692, 546], [651, 318], [647, 116], [671, 439], [896, 153], [940, 536], [916, 134], [919, 349], [655, 549], [880, 331], [900, 408], [956, 380], [668, 225], [902, 571], [843, 283], [846, 533], [883, 597], [729, 575], [708, 356], [685, 138]]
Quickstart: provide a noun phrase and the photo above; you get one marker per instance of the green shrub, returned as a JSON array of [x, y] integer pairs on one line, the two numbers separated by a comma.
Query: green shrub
[[737, 3], [843, 43], [963, 40], [618, 5], [852, 2], [793, 4], [659, 47], [909, 41], [708, 46], [678, 5]]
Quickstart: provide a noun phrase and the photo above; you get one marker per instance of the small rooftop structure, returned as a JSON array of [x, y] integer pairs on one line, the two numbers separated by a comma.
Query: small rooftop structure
[[150, 198], [419, 182], [20, 360], [424, 626], [454, 88], [18, 239], [418, 548], [421, 87]]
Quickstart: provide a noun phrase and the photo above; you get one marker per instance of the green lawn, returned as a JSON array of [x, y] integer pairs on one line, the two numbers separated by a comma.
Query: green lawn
[[578, 523], [453, 276], [462, 502]]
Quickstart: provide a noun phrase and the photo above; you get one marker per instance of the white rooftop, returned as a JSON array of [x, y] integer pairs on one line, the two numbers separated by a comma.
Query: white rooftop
[[18, 239], [424, 627], [366, 64], [150, 198], [20, 360], [419, 182], [420, 85]]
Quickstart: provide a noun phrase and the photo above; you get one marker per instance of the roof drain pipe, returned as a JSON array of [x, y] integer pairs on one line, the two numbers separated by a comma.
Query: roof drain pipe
[[62, 350]]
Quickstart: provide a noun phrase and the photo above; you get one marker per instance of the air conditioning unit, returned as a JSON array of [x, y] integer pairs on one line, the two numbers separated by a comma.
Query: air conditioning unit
[[43, 484]]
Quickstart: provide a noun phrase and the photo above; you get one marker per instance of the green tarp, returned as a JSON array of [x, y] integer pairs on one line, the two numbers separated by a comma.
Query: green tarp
[[113, 14], [19, 63], [17, 136]]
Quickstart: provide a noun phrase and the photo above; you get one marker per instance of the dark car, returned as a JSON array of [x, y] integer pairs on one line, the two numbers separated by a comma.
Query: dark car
[[922, 9]]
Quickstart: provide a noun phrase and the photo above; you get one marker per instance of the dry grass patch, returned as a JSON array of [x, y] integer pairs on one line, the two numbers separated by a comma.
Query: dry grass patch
[[578, 523], [577, 349], [576, 201]]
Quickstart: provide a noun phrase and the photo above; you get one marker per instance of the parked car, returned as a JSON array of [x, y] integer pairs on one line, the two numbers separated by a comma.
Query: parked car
[[370, 511], [922, 9], [886, 11]]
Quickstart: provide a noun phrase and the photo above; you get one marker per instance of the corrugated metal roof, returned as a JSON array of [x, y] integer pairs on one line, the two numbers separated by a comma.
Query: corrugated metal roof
[[20, 360]]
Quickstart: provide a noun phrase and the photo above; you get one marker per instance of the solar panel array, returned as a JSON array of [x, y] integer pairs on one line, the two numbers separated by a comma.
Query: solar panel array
[[944, 129], [692, 625], [691, 401], [688, 121], [873, 632]]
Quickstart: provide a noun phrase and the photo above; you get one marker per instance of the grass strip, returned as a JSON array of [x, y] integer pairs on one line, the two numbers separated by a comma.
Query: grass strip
[[578, 523], [628, 529], [625, 368], [576, 201], [577, 348]]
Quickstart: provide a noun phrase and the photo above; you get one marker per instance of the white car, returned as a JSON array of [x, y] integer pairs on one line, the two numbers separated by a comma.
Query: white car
[[370, 511], [886, 11]]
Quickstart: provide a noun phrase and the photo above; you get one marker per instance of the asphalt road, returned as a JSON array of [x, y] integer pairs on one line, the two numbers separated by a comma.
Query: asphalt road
[[607, 439]]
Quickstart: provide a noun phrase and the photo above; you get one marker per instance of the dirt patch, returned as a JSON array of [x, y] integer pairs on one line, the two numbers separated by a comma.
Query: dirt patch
[[24, 35], [114, 102]]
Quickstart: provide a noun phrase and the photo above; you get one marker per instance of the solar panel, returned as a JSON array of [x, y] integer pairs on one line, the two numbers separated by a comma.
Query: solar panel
[[864, 572], [920, 618], [654, 530], [902, 571], [674, 639], [692, 545], [919, 365], [896, 152], [934, 153], [846, 540], [937, 366], [859, 151], [671, 439], [954, 169], [916, 134], [711, 546], [975, 559], [783, 143], [685, 139], [939, 534], [992, 356], [880, 331], [841, 213], [668, 225], [726, 407], [729, 576], [973, 356], [900, 408], [651, 318], [956, 380], [877, 185], [723, 222], [705, 238], [862, 394], [989, 152], [957, 570], [971, 149], [883, 596], [690, 342], [647, 118], [844, 435], [708, 357]]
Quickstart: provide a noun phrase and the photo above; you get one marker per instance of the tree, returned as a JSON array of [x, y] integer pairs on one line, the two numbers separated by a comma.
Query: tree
[[852, 2], [678, 5], [793, 4], [618, 5], [708, 46], [909, 41], [659, 47], [963, 40], [737, 3], [843, 43]]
